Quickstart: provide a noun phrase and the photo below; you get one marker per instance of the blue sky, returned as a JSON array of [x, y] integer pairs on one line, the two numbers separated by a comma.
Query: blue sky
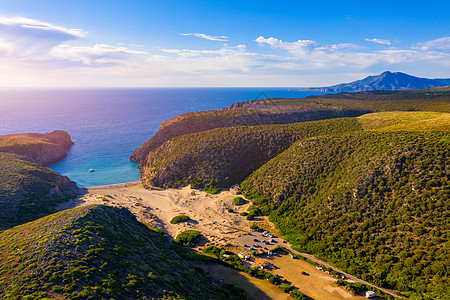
[[219, 43]]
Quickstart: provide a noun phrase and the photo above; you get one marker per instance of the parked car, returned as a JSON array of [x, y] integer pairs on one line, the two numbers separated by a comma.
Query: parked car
[[255, 240]]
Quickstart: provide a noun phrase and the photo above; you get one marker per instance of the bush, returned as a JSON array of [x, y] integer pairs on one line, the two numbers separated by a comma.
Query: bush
[[274, 280], [254, 227], [238, 201], [230, 210], [188, 238], [285, 287], [212, 250], [244, 213], [296, 294], [211, 189], [179, 219]]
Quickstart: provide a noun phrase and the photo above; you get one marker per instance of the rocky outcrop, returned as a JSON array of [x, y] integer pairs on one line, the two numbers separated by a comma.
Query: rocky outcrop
[[42, 149]]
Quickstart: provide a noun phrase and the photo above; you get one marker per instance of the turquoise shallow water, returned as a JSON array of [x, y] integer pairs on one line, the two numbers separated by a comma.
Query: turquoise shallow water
[[108, 124]]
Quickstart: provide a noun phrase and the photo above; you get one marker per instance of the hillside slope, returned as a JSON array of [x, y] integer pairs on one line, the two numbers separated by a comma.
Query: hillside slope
[[385, 81], [285, 111], [226, 156], [373, 203], [96, 252], [207, 120], [29, 190]]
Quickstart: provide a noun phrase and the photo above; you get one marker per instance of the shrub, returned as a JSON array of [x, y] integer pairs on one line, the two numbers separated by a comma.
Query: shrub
[[188, 238], [238, 201], [285, 287], [230, 210], [244, 213], [179, 219], [250, 217], [274, 280], [211, 189], [212, 250], [254, 227], [296, 294]]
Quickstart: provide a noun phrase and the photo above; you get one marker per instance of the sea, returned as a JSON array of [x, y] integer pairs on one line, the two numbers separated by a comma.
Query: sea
[[107, 125]]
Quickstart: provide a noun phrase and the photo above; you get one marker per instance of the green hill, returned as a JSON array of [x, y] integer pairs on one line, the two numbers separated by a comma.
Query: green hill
[[285, 111], [225, 156], [374, 204], [367, 194], [96, 252], [29, 190]]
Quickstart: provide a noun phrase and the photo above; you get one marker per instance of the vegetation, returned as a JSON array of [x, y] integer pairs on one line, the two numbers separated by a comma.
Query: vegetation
[[215, 158], [29, 191], [96, 252], [180, 219], [371, 202], [285, 111], [296, 294], [374, 204], [406, 121], [188, 238], [211, 188], [239, 201]]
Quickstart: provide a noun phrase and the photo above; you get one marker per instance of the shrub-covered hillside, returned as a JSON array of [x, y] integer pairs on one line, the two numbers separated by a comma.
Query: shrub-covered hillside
[[225, 156], [96, 252], [27, 189], [285, 111], [374, 204], [207, 120]]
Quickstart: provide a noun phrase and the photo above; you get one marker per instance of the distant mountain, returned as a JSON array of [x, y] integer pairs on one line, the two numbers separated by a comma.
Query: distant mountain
[[384, 81]]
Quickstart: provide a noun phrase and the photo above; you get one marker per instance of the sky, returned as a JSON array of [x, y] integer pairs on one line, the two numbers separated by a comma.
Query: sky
[[146, 43]]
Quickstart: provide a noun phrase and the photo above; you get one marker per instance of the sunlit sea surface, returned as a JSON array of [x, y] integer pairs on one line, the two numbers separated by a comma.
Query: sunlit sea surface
[[107, 125]]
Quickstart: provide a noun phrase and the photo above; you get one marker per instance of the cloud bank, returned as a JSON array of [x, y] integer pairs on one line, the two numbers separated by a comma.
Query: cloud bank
[[42, 53]]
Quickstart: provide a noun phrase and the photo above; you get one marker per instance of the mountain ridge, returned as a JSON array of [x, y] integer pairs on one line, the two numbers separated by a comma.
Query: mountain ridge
[[385, 81]]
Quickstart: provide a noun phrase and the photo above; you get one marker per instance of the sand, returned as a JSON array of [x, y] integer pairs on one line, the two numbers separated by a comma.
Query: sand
[[209, 213]]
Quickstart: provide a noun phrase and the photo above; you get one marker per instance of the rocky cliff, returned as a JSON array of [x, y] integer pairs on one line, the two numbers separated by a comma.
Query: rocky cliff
[[39, 148]]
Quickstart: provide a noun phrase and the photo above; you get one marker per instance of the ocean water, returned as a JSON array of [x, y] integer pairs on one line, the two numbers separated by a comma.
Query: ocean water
[[107, 125]]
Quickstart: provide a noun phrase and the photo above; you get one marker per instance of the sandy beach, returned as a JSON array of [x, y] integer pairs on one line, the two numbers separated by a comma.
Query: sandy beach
[[209, 213]]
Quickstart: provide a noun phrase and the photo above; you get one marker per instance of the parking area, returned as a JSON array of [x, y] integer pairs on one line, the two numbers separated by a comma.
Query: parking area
[[256, 240]]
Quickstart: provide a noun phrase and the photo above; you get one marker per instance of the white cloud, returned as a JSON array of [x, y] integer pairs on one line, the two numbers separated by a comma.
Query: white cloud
[[221, 38], [42, 52], [379, 41], [98, 54], [17, 23], [440, 45], [24, 38]]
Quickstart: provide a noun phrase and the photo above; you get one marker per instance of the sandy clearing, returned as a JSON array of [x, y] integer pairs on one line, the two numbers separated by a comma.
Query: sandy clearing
[[209, 213]]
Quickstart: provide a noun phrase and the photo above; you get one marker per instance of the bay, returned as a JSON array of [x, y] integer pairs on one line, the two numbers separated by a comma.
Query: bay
[[107, 125]]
